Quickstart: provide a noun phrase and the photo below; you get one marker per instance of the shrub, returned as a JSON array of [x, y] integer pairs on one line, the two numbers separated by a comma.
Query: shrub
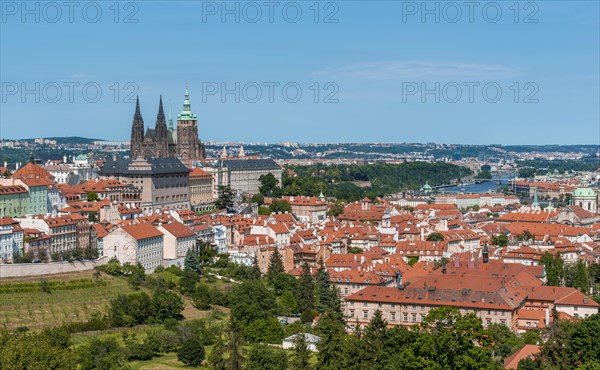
[[45, 286], [191, 352]]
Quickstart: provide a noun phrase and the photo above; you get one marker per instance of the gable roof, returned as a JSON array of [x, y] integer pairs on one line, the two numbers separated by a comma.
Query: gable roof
[[143, 230]]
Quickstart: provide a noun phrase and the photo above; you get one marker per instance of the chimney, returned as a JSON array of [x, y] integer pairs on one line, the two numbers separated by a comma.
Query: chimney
[[444, 269], [547, 317], [422, 234], [485, 253], [399, 284]]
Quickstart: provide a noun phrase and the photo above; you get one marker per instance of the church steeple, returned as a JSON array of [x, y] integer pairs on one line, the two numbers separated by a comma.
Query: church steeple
[[137, 131], [160, 117], [161, 146], [186, 114], [138, 114]]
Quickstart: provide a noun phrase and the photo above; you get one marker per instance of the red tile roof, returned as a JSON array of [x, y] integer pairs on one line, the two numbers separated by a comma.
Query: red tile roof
[[143, 230], [179, 230], [527, 351]]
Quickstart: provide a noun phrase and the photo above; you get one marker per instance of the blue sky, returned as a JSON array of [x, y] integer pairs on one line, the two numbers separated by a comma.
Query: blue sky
[[362, 68]]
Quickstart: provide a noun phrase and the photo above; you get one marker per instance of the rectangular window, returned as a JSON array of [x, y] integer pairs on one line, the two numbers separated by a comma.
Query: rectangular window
[[393, 316], [414, 317], [365, 314]]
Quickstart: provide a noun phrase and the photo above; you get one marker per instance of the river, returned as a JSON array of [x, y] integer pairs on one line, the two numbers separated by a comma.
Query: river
[[484, 187]]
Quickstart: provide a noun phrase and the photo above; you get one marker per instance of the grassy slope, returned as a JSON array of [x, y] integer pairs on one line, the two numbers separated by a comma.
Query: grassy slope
[[37, 310]]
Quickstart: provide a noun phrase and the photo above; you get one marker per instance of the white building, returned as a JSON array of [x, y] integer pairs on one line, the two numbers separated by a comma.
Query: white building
[[178, 239], [11, 238], [220, 238], [136, 243], [311, 340]]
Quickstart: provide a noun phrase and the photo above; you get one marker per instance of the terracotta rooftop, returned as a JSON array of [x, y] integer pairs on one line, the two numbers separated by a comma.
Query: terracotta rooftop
[[143, 230], [179, 230]]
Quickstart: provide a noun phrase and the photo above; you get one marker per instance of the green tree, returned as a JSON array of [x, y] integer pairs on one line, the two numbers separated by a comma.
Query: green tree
[[225, 198], [266, 330], [287, 303], [583, 341], [217, 356], [268, 184], [234, 347], [326, 294], [555, 354], [92, 216], [500, 240], [251, 301], [301, 354], [336, 209], [526, 236], [264, 211], [503, 341], [255, 270], [331, 346], [136, 275], [191, 352], [166, 304], [34, 351], [201, 297], [261, 357], [306, 289], [92, 196], [527, 364], [554, 267], [581, 278], [275, 265], [191, 262], [355, 250], [376, 335], [435, 237], [280, 205], [258, 198]]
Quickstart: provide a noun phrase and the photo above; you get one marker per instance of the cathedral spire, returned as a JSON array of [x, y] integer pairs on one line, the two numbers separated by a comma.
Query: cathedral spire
[[138, 114], [161, 113]]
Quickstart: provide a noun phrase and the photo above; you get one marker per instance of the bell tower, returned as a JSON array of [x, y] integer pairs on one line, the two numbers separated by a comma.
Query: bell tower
[[188, 144]]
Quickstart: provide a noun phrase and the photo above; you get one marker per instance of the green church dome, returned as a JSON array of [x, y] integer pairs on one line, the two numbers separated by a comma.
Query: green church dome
[[584, 192]]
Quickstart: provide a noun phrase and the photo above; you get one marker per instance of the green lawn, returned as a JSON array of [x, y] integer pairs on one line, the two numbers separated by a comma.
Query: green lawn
[[167, 361], [37, 309]]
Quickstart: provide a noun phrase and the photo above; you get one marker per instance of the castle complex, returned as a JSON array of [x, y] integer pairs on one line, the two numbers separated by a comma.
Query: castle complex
[[167, 142]]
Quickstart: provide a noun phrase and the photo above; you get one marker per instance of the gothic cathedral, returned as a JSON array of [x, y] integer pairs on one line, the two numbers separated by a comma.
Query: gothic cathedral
[[163, 141]]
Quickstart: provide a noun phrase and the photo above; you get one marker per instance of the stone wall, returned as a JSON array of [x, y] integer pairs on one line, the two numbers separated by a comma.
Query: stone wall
[[36, 269]]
